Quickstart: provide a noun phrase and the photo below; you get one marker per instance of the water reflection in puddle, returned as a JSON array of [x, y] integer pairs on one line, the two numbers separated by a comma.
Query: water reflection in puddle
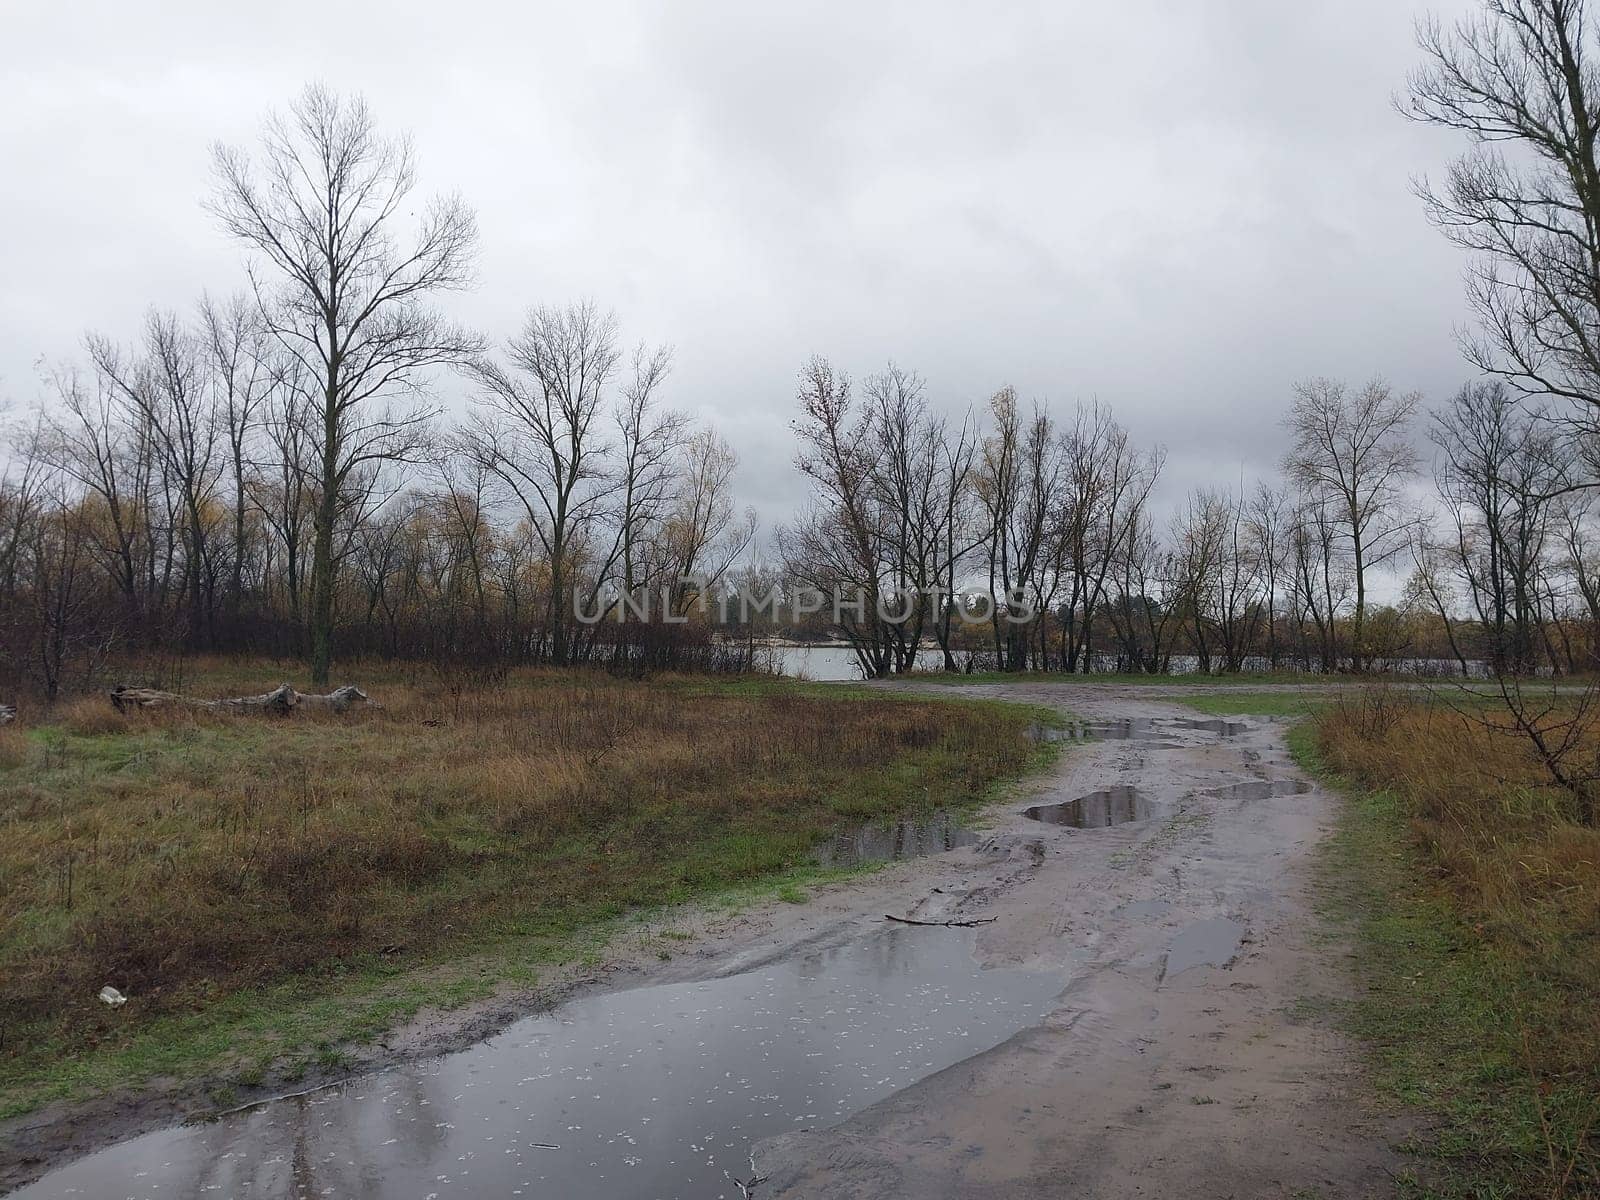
[[1139, 729], [1213, 725], [1110, 806], [657, 1092], [1261, 789], [1072, 731], [888, 842], [1084, 731], [1133, 728], [1211, 943]]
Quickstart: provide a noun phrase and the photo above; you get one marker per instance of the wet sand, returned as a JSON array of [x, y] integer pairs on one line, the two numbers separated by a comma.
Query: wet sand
[[1133, 1014]]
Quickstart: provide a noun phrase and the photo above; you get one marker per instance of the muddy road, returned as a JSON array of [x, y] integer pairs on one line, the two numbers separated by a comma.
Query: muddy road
[[1130, 1018], [1182, 1057]]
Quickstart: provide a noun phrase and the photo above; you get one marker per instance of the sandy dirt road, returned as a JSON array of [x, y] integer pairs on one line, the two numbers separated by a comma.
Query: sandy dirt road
[[1188, 1053], [1176, 1063]]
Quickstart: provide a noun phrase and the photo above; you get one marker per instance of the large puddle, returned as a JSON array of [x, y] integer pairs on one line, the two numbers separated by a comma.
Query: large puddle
[[652, 1093], [1138, 729], [1133, 728], [1109, 806], [1083, 731], [894, 840]]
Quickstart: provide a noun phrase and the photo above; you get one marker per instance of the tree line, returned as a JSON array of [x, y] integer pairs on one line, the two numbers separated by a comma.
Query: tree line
[[271, 468], [1056, 516]]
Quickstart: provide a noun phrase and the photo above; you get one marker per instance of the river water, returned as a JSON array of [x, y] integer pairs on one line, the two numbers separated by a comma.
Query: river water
[[834, 663], [652, 1093]]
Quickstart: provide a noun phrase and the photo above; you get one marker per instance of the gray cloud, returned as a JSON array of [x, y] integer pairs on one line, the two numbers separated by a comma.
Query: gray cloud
[[1176, 209]]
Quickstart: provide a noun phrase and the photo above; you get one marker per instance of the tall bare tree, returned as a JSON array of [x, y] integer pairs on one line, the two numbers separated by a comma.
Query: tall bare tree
[[346, 292], [1020, 471], [91, 436], [701, 535], [1108, 483], [283, 491], [242, 375], [959, 531], [1200, 547], [1498, 467], [1143, 612], [1520, 79], [167, 383], [1353, 450], [1318, 583], [540, 433], [839, 547], [916, 475], [1267, 521], [649, 440]]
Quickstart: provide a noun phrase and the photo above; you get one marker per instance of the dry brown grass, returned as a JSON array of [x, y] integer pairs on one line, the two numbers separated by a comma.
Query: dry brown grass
[[1494, 956], [13, 747], [1499, 837], [181, 855]]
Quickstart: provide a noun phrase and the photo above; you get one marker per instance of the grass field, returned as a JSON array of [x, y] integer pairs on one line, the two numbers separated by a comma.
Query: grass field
[[265, 889], [1473, 898]]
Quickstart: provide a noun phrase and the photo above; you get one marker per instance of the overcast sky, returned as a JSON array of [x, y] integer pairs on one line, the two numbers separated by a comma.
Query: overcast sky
[[1179, 209]]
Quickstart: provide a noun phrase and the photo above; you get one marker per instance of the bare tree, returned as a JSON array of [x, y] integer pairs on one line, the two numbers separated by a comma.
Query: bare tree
[[1579, 559], [243, 376], [539, 434], [67, 632], [838, 548], [1267, 521], [1498, 466], [1351, 450], [1143, 614], [913, 470], [1519, 79], [23, 488], [1429, 585], [1319, 587], [1199, 553], [347, 295], [284, 491], [1107, 484], [701, 535], [168, 386], [649, 438], [1020, 472], [1239, 587], [956, 520]]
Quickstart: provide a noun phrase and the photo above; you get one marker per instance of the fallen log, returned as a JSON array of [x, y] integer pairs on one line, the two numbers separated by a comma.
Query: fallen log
[[282, 700], [947, 924], [339, 700]]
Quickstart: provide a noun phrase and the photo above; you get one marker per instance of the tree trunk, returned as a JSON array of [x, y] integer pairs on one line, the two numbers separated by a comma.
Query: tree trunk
[[282, 699]]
